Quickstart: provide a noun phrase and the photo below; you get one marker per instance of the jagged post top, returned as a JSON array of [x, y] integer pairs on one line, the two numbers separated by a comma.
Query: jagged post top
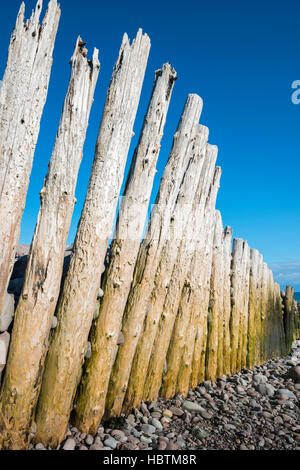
[[52, 10], [170, 72], [167, 68], [80, 49], [191, 114], [141, 41], [227, 231]]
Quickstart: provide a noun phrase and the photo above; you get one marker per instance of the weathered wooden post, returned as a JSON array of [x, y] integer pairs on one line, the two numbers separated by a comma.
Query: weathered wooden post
[[289, 313], [77, 302], [198, 362], [258, 314], [236, 299], [90, 403], [243, 342], [177, 307], [158, 359], [23, 94], [279, 319], [227, 241], [168, 278], [264, 310], [215, 309], [191, 305], [37, 303], [150, 251], [253, 306], [221, 316]]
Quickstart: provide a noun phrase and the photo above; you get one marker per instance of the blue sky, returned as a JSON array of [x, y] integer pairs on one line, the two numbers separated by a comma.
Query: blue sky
[[241, 58]]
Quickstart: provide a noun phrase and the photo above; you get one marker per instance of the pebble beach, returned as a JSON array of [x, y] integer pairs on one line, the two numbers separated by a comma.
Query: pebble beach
[[256, 409]]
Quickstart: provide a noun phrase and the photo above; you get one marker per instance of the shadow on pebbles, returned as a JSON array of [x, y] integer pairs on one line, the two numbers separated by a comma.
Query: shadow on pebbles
[[256, 409]]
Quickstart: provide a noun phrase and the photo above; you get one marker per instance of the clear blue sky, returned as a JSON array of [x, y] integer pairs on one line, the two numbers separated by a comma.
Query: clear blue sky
[[241, 58]]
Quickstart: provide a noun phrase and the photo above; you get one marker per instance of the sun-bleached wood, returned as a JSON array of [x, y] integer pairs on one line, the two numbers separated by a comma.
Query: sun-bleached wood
[[215, 303], [258, 313], [34, 314], [243, 332], [23, 94], [175, 316], [192, 303], [227, 241], [150, 251], [253, 305], [164, 282], [158, 359], [90, 403], [198, 361], [78, 299], [236, 299]]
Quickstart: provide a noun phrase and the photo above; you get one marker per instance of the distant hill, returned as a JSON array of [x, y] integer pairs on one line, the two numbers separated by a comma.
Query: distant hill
[[297, 296]]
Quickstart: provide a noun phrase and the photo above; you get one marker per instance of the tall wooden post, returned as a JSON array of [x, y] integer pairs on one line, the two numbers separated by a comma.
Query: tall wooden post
[[36, 306], [166, 320], [198, 363], [90, 403], [23, 94], [177, 303], [77, 302], [253, 305], [227, 241], [150, 252]]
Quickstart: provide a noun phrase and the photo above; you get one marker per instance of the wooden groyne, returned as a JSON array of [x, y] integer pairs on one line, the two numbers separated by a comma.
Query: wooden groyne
[[178, 305]]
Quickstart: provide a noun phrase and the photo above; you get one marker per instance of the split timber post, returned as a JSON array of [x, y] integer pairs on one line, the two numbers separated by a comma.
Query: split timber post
[[179, 218], [150, 250], [264, 310], [189, 310], [253, 305], [90, 402], [174, 321], [34, 314], [236, 294], [158, 360], [289, 317], [199, 352], [258, 326], [227, 241], [78, 299], [243, 340], [23, 94], [215, 303]]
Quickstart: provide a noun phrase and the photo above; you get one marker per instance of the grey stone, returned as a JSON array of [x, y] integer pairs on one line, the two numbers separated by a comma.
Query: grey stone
[[199, 433], [4, 343], [157, 424], [100, 293], [259, 378], [192, 407], [110, 442], [294, 374], [288, 393], [6, 316], [40, 446], [88, 351], [145, 439], [266, 389], [148, 428], [89, 440], [70, 444]]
